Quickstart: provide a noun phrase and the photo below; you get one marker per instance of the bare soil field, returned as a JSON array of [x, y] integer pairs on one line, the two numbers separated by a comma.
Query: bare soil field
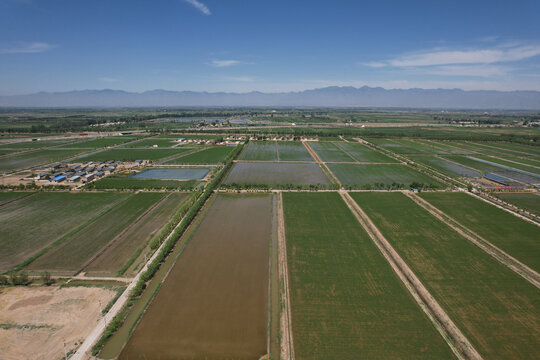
[[35, 321], [213, 304]]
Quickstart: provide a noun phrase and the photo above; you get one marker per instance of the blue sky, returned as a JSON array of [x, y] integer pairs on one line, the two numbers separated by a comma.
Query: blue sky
[[263, 45]]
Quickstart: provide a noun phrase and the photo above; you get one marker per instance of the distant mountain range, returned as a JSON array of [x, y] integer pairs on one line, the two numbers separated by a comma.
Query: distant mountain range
[[333, 96]]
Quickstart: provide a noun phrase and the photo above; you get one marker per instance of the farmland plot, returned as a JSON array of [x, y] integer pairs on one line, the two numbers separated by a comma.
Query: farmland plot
[[260, 151], [345, 298], [276, 173], [34, 158], [22, 145], [511, 234], [33, 223], [126, 182], [133, 154], [511, 164], [213, 303], [72, 254], [496, 309], [293, 151], [137, 236], [356, 174], [98, 143], [329, 151], [527, 201], [362, 153], [445, 166], [6, 197], [212, 155], [402, 146], [153, 142]]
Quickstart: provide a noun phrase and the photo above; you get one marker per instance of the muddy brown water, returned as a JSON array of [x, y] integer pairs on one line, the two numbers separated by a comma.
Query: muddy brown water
[[214, 302]]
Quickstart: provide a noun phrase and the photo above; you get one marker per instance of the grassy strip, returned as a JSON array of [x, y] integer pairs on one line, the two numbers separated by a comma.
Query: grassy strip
[[167, 247], [63, 238], [130, 262]]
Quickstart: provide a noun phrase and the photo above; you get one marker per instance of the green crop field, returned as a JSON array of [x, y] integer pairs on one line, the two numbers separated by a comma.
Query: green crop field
[[402, 146], [137, 237], [133, 154], [511, 234], [34, 158], [125, 182], [360, 175], [445, 166], [329, 151], [293, 151], [260, 151], [71, 254], [161, 143], [467, 162], [346, 301], [362, 153], [35, 144], [527, 201], [496, 309], [6, 197], [511, 164], [517, 148], [99, 143], [33, 223], [213, 155], [447, 146], [5, 152]]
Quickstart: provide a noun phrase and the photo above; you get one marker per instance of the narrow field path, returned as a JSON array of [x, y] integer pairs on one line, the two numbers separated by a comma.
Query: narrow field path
[[509, 261], [287, 345], [277, 151], [455, 339]]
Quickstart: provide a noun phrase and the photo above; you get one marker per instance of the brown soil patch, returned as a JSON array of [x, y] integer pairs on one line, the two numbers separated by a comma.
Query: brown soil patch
[[36, 300], [36, 321]]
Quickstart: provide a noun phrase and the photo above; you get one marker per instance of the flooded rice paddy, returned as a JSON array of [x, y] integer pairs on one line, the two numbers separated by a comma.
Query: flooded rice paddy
[[214, 302], [277, 173], [172, 174]]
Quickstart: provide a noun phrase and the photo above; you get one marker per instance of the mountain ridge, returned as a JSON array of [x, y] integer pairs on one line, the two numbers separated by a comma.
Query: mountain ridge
[[331, 96]]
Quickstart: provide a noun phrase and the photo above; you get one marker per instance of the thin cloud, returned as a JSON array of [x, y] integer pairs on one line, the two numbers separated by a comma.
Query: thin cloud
[[437, 57], [199, 6], [30, 48], [224, 63], [469, 70]]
